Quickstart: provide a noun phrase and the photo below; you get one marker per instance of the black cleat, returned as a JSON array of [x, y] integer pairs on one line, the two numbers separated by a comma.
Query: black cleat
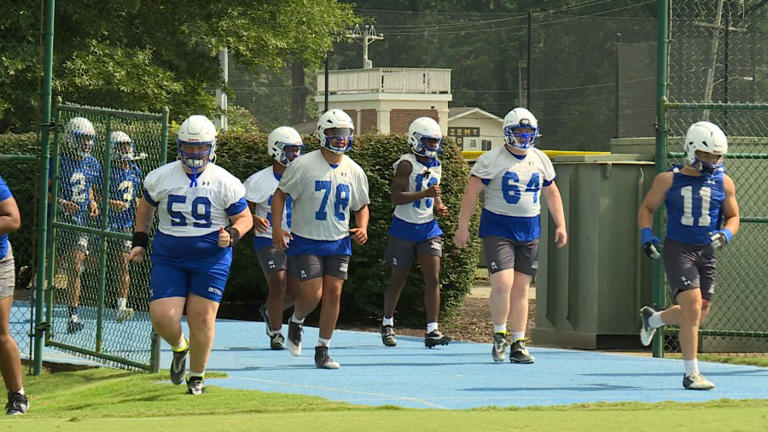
[[388, 335], [323, 360], [435, 338], [195, 385], [646, 331], [179, 366], [17, 404], [276, 342], [518, 353], [499, 350], [294, 338], [265, 316]]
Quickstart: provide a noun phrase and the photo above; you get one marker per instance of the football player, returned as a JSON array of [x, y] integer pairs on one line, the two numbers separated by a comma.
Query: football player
[[202, 214], [512, 178], [414, 231], [80, 177], [284, 145], [698, 196], [125, 181], [325, 186]]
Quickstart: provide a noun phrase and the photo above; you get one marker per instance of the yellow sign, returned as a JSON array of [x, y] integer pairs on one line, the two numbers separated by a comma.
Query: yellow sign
[[464, 131]]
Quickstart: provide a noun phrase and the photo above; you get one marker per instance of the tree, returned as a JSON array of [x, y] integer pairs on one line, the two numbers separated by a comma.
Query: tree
[[137, 55]]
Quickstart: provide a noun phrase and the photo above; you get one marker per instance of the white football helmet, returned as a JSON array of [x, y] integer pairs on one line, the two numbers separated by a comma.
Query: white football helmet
[[341, 138], [520, 128], [284, 144], [705, 137], [425, 137], [196, 130], [80, 136], [122, 146]]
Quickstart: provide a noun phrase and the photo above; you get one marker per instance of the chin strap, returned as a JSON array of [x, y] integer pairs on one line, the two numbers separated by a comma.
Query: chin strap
[[193, 182]]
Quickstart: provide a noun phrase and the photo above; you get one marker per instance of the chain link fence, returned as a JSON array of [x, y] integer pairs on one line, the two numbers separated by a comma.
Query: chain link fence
[[19, 169], [714, 51], [98, 304]]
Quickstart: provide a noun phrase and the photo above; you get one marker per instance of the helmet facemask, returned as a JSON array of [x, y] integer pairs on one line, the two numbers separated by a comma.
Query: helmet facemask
[[338, 140], [521, 136], [707, 163], [289, 152], [428, 146]]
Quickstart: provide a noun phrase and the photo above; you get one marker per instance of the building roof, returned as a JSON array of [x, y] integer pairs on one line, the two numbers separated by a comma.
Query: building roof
[[459, 112]]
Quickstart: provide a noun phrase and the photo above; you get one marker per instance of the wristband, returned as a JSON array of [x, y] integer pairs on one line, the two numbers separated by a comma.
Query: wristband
[[646, 235], [727, 233], [140, 239], [234, 235]]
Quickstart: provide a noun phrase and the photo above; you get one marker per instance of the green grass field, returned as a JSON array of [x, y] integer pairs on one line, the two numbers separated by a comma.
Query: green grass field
[[102, 399]]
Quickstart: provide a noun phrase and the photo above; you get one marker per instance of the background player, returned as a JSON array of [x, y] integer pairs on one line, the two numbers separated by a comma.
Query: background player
[[284, 145]]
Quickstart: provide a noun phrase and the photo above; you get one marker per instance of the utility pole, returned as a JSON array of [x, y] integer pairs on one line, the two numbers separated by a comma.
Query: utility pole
[[221, 96], [365, 36]]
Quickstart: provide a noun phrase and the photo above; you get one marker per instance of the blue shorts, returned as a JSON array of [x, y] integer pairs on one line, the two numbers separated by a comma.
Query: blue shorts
[[175, 279]]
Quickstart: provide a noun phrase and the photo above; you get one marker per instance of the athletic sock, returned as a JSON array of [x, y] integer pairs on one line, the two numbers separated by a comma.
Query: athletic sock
[[431, 327], [691, 367], [181, 347], [388, 321], [655, 320], [323, 342], [517, 336], [500, 328]]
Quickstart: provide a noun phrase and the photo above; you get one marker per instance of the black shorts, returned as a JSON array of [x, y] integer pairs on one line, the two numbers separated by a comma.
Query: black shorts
[[502, 253], [400, 253], [271, 259], [305, 267], [689, 266]]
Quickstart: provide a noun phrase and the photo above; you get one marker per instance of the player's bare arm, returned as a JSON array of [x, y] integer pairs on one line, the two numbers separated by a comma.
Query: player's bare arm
[[440, 208], [468, 203], [145, 213], [279, 236], [260, 224], [360, 233], [653, 199], [240, 224], [555, 205], [730, 206], [400, 193]]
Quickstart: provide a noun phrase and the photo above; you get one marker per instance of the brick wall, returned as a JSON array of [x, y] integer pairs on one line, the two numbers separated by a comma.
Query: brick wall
[[400, 119], [367, 121]]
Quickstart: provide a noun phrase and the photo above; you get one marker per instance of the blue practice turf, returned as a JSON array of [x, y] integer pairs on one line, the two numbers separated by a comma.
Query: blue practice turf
[[458, 376]]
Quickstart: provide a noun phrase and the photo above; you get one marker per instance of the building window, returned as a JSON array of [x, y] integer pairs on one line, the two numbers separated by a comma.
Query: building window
[[473, 143], [486, 144]]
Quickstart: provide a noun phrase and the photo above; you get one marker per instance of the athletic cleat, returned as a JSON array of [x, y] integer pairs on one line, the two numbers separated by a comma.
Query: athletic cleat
[[276, 341], [518, 353], [294, 338], [388, 335], [265, 316], [697, 381], [74, 325], [17, 404], [179, 366], [322, 360], [436, 338], [499, 350], [646, 331], [195, 385], [123, 314]]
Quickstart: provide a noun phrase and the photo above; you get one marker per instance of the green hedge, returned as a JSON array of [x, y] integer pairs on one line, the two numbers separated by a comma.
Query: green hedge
[[244, 154]]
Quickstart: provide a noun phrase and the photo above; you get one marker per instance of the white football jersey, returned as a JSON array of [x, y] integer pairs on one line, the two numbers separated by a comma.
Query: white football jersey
[[422, 177], [259, 189], [513, 186], [323, 196], [186, 211]]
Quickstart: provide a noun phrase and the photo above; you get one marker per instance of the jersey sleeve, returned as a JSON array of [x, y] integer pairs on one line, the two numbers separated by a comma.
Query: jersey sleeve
[[150, 188], [482, 167], [290, 183], [255, 191], [360, 196], [547, 170], [234, 196]]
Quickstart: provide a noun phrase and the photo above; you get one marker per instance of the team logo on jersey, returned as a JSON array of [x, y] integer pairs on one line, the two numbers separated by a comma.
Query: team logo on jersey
[[710, 181]]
